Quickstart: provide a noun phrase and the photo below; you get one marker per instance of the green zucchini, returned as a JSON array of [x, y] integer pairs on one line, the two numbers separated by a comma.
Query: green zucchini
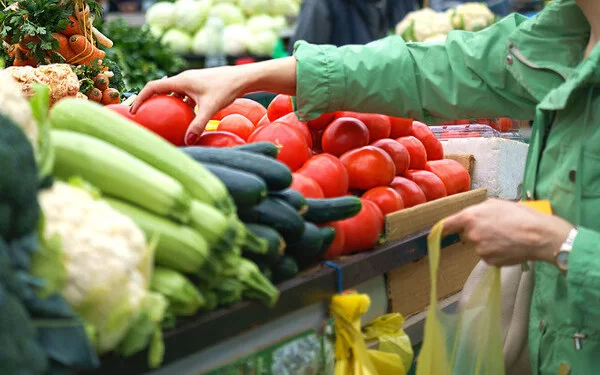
[[322, 211], [328, 235], [276, 175], [293, 198], [276, 244], [276, 214], [308, 248], [285, 269], [245, 188], [263, 148], [255, 244]]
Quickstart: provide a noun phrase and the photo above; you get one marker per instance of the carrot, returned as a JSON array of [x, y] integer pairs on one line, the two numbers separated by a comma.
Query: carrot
[[84, 50], [94, 94], [74, 27], [23, 60], [111, 96], [65, 49], [101, 81]]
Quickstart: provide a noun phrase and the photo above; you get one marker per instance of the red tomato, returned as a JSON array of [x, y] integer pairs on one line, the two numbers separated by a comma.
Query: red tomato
[[306, 186], [220, 139], [263, 121], [337, 246], [368, 167], [401, 127], [293, 150], [279, 107], [166, 116], [121, 109], [410, 192], [344, 134], [321, 122], [379, 125], [291, 120], [329, 172], [387, 199], [418, 155], [432, 185], [238, 125], [363, 231], [397, 152], [433, 147], [505, 124], [455, 177], [248, 108]]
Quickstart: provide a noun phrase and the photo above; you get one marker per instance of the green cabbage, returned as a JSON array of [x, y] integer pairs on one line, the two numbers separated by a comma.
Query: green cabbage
[[235, 40], [262, 43], [179, 41], [191, 14], [253, 7], [161, 15], [229, 13]]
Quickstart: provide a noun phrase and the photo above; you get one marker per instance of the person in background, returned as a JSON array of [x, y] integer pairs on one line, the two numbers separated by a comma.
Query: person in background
[[342, 22]]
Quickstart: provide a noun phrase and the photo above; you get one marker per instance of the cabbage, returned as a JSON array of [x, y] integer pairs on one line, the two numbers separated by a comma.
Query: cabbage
[[262, 43], [178, 41], [191, 14], [235, 40], [279, 23], [161, 15], [260, 23], [230, 14], [200, 43], [285, 7], [253, 7]]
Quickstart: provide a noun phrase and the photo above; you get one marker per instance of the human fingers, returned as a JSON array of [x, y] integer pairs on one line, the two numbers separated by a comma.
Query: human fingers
[[456, 223], [197, 126], [161, 86]]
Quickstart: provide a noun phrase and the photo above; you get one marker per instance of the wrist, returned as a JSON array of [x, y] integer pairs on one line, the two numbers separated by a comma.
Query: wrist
[[556, 236]]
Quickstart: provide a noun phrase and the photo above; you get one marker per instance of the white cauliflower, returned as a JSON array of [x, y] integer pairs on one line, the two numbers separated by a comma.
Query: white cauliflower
[[423, 24], [17, 108], [471, 16], [106, 257]]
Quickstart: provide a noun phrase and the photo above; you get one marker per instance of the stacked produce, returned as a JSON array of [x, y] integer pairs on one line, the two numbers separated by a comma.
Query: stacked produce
[[251, 26], [426, 25]]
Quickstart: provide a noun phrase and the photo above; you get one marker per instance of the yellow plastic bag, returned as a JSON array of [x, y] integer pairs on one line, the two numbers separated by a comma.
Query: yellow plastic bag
[[468, 342], [352, 356]]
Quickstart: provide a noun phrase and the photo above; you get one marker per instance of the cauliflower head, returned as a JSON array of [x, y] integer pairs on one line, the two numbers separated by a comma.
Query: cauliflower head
[[106, 258], [423, 24], [471, 16], [16, 107]]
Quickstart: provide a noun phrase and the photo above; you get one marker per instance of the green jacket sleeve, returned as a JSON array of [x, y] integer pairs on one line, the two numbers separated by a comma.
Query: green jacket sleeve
[[465, 77], [583, 277]]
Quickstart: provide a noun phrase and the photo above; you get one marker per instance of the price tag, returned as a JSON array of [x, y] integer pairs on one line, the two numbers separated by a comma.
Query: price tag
[[542, 206]]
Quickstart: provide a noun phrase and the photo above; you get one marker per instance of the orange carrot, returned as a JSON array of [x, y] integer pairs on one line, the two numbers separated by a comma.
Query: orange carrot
[[74, 27], [65, 49], [24, 60], [111, 96], [95, 95], [101, 81]]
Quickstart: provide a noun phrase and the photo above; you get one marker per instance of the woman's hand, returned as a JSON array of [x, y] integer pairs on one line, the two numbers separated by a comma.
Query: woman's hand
[[507, 233], [214, 89]]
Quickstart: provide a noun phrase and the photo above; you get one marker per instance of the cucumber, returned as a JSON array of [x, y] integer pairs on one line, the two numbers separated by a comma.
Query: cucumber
[[273, 238], [276, 214], [308, 248], [276, 175], [263, 148], [245, 188], [322, 211], [328, 235], [285, 269], [293, 198]]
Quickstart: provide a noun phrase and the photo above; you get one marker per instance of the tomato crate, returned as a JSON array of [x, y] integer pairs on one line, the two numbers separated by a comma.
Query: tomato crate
[[444, 132]]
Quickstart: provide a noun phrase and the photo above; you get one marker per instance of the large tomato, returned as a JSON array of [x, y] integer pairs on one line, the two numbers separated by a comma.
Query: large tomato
[[166, 116], [306, 186], [400, 127], [263, 121], [291, 120], [455, 177], [280, 106], [379, 125], [363, 231], [329, 172], [238, 125], [504, 124], [344, 134], [410, 192], [220, 139], [337, 246], [432, 185], [387, 199], [433, 147], [293, 150], [418, 154], [368, 167], [248, 108], [321, 122], [397, 152], [121, 109]]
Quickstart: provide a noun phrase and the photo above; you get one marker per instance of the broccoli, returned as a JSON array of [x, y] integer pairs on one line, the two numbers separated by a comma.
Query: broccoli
[[116, 82]]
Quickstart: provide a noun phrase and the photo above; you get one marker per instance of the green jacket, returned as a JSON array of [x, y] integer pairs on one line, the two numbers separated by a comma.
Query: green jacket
[[519, 68]]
